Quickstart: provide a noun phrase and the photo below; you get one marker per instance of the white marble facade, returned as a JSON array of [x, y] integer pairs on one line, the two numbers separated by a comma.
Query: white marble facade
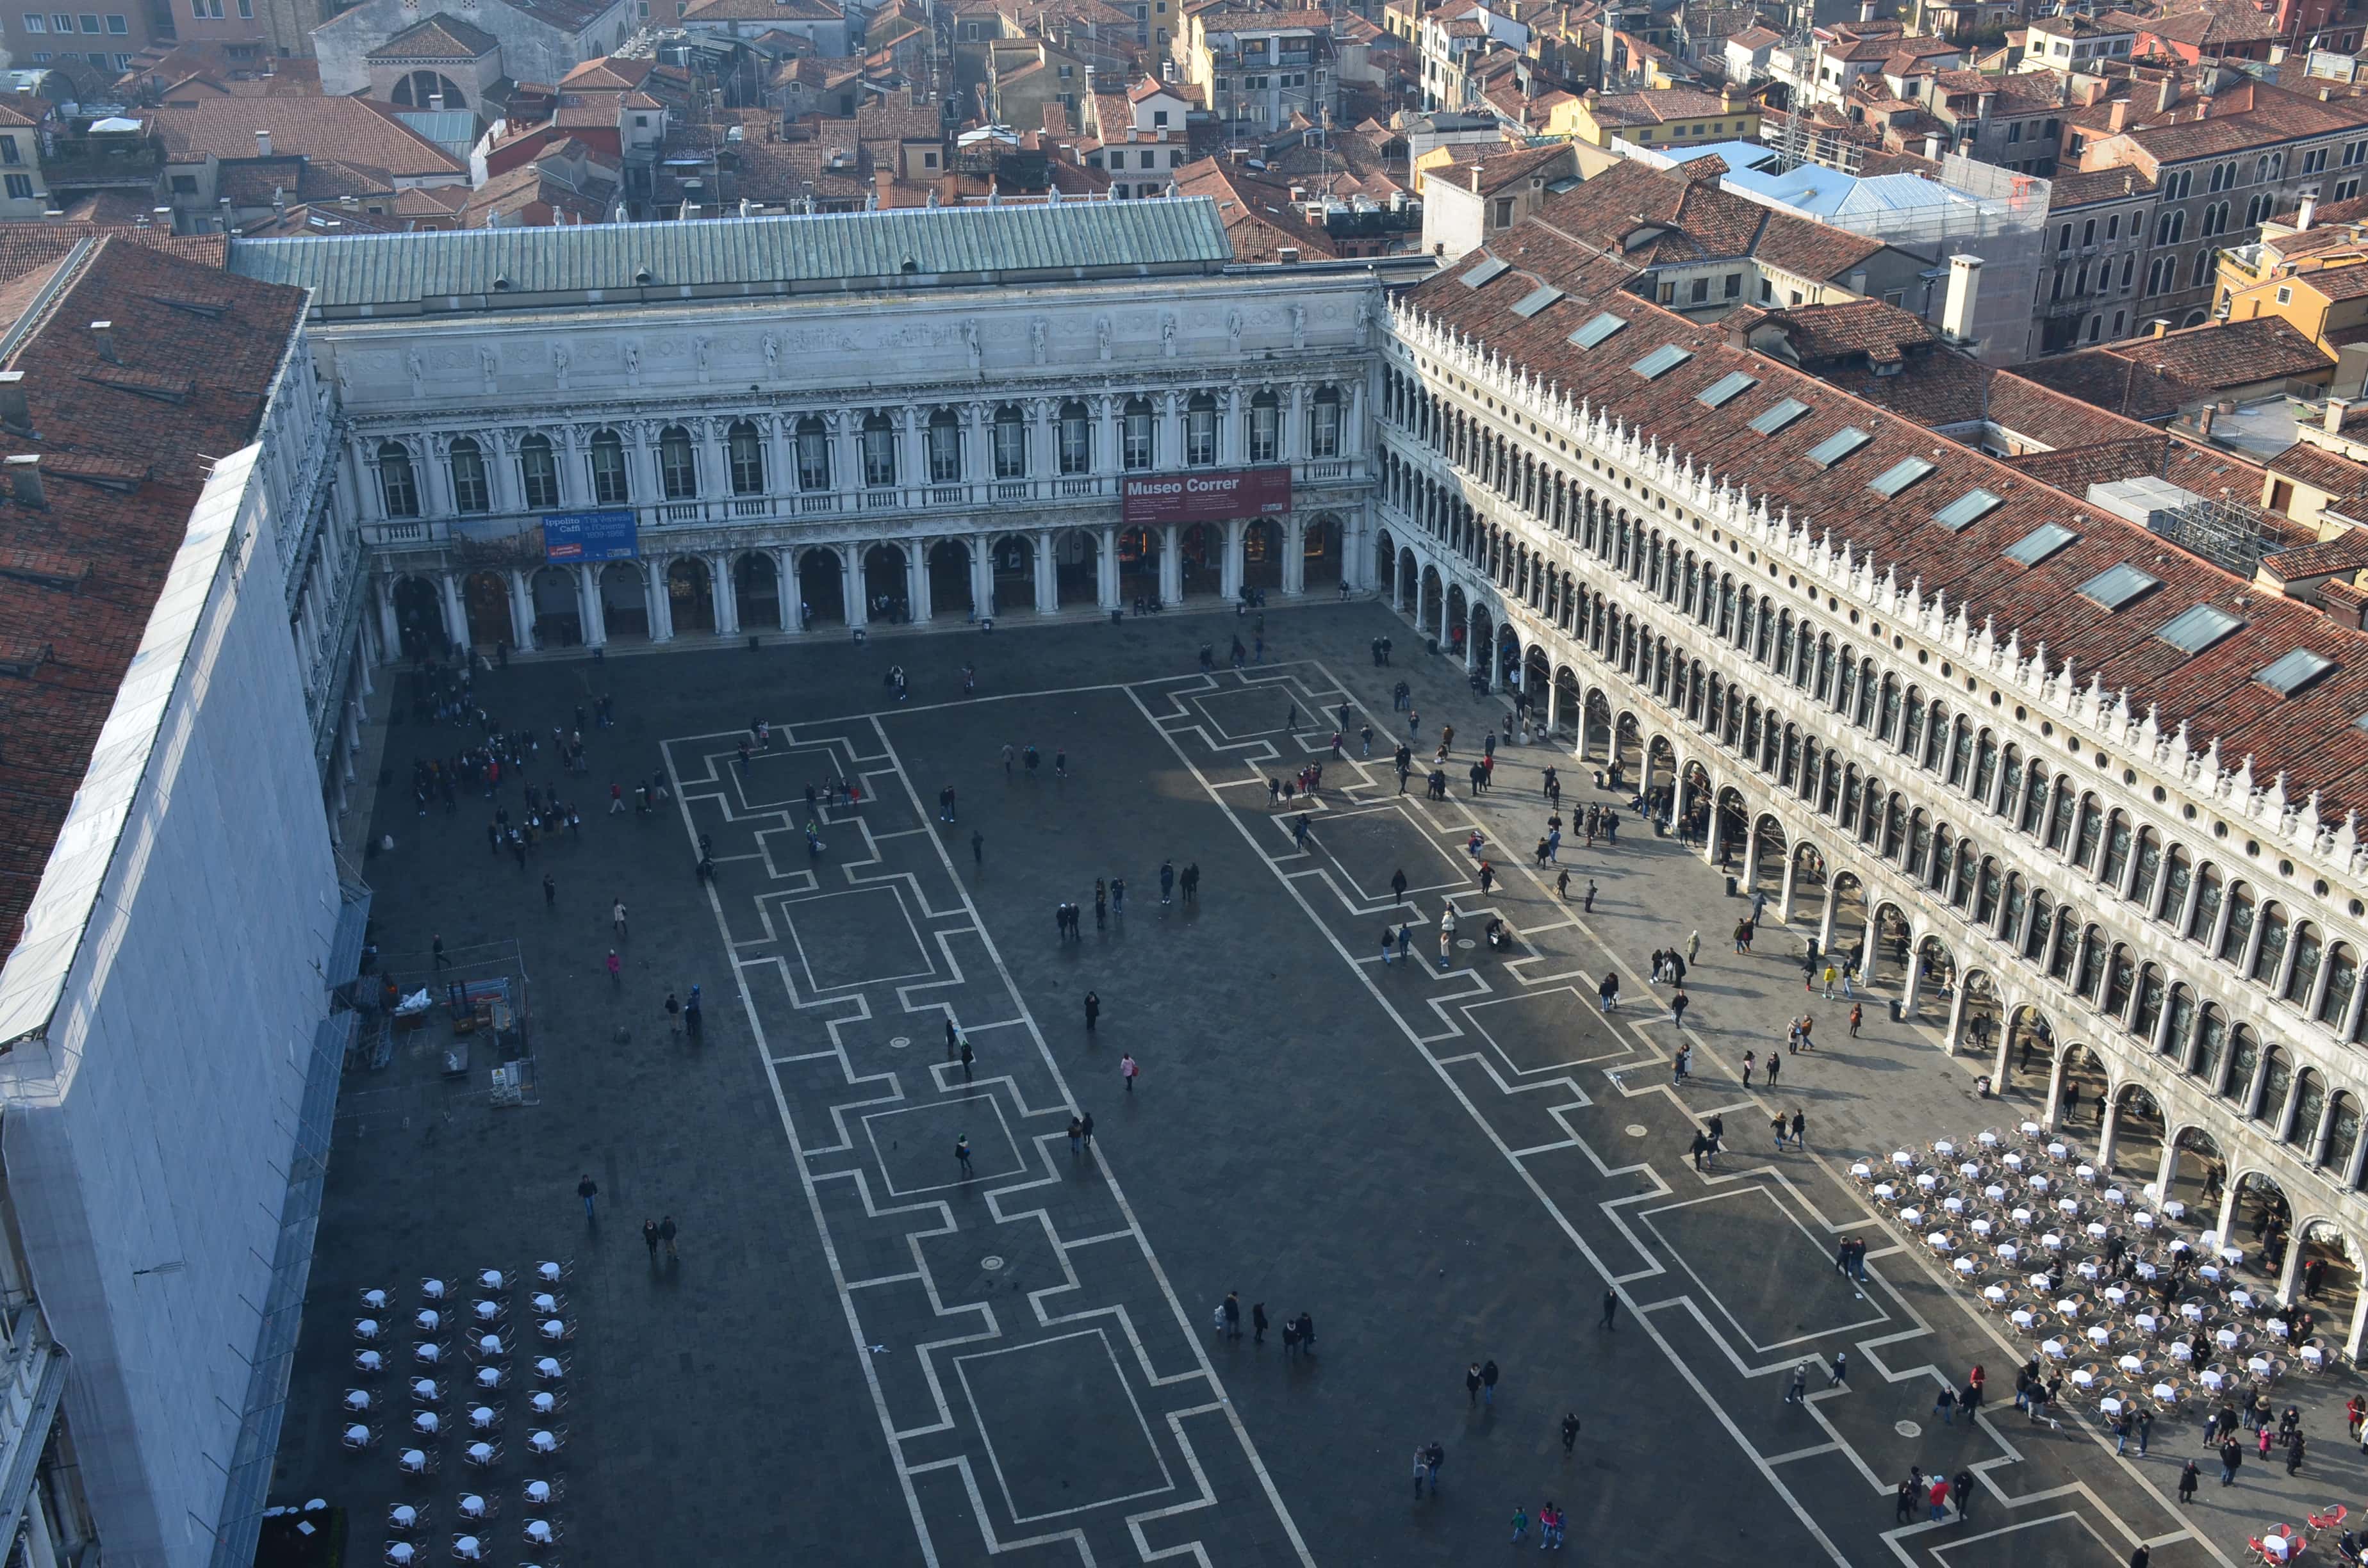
[[933, 454]]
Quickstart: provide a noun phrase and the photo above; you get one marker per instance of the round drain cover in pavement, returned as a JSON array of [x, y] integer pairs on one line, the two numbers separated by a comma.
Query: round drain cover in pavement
[[1907, 1428], [990, 1263], [1465, 942], [901, 1041], [1633, 1130]]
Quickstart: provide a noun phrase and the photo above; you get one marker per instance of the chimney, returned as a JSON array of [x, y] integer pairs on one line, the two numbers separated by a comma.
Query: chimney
[[1933, 148], [435, 102], [263, 143], [2203, 421], [2118, 115], [2161, 325], [15, 412], [2308, 210], [1965, 288], [2167, 94], [25, 481], [102, 333], [1866, 9], [2337, 407]]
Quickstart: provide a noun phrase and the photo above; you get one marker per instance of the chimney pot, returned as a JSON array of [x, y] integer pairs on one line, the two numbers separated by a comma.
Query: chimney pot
[[103, 334], [1957, 310], [263, 143], [2337, 407], [15, 412], [24, 480], [2308, 210]]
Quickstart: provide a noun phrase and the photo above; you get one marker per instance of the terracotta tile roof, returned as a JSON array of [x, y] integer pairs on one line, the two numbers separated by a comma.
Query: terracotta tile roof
[[2232, 21], [1857, 327], [1664, 218], [764, 11], [27, 246], [1258, 216], [439, 37], [350, 129], [1657, 107], [609, 73], [78, 622], [2339, 477], [2347, 552], [2311, 737]]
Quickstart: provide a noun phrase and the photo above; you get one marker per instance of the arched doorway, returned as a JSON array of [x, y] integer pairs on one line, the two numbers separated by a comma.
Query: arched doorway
[[1569, 706], [949, 578], [2328, 1279], [486, 597], [1428, 618], [822, 588], [420, 89], [1385, 565], [1765, 874], [1889, 946], [1011, 564], [1200, 560], [1077, 568], [419, 619], [2198, 1173], [1808, 908], [1598, 730], [624, 607], [1321, 553], [2137, 1134], [690, 595], [558, 613], [757, 591], [1936, 978], [1537, 684], [1138, 565], [2030, 1052], [1459, 621], [2262, 1215], [1409, 586], [1693, 803], [1627, 752], [1979, 1014], [1483, 644], [2080, 1089], [1508, 655], [1731, 826], [1261, 554], [883, 583]]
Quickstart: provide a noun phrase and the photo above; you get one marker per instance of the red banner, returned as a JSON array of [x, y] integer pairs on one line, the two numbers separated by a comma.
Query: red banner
[[1151, 500]]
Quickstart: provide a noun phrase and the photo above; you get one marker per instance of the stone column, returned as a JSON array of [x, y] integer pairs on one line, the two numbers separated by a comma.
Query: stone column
[[780, 452], [917, 579], [1048, 582], [521, 610], [850, 592], [1232, 439], [1229, 578], [712, 477], [456, 612], [1295, 554], [846, 439], [660, 602], [642, 460], [2109, 1125], [1911, 984], [1293, 443], [390, 630], [594, 615], [978, 443], [1171, 429], [982, 573], [912, 448], [1171, 565], [1106, 443], [1043, 452], [1957, 1014], [1792, 875], [1999, 1070], [434, 472], [1713, 841], [1825, 921], [785, 580], [727, 602], [1106, 569]]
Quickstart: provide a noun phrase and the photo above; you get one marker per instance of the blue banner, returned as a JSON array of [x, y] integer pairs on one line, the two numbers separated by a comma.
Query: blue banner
[[591, 535]]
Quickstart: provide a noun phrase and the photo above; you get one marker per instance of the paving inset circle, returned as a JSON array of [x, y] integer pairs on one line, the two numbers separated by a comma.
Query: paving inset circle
[[1907, 1428], [990, 1263], [1634, 1129], [901, 1041], [1465, 942]]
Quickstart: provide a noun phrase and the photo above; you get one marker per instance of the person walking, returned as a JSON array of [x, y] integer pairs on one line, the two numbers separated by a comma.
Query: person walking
[[616, 968], [1521, 1524], [1233, 1309], [1076, 1136], [1569, 1432], [2232, 1459], [650, 1238], [1960, 1491], [1798, 1392], [2189, 1478], [1472, 1384], [666, 1234], [1389, 940], [1840, 1375], [1093, 1011], [1128, 1071], [965, 1059], [1775, 1063], [588, 1189], [1750, 1061], [1258, 1323], [1089, 1132], [961, 1153], [1611, 1309], [1488, 1384], [617, 915], [1421, 1467], [1800, 1121]]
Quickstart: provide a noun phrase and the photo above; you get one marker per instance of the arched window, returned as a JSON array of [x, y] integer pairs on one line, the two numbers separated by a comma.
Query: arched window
[[2210, 1043], [1961, 753], [745, 448], [2271, 953], [1266, 428], [2148, 1012], [398, 488], [1201, 430], [2342, 1135], [538, 474], [470, 491], [2150, 866], [2277, 1078], [2042, 931], [1010, 443], [879, 439], [814, 454], [2121, 979], [2205, 926], [945, 439], [606, 461], [2342, 978], [2034, 796], [2309, 950], [1324, 424], [2244, 1060], [2182, 1021], [2310, 1104], [2092, 832], [677, 465], [1138, 436]]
